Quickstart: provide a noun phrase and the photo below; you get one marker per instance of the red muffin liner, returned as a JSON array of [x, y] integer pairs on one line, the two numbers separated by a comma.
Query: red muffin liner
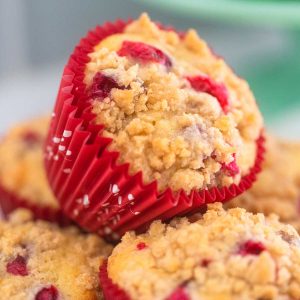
[[93, 189], [112, 291], [10, 202]]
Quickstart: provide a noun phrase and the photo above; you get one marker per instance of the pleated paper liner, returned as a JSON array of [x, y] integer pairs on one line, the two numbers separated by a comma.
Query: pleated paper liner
[[10, 202], [93, 189], [112, 291]]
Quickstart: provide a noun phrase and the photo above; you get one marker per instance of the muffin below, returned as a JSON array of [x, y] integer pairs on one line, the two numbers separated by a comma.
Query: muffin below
[[23, 181], [40, 261], [228, 255]]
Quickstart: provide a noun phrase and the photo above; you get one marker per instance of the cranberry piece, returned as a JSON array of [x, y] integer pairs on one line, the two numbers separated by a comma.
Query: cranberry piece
[[144, 53], [102, 85], [205, 262], [31, 138], [49, 293], [252, 248], [202, 83], [141, 246], [18, 266], [232, 168], [179, 294]]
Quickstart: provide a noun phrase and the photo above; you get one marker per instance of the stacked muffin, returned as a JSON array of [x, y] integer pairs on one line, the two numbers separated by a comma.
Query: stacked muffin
[[149, 128]]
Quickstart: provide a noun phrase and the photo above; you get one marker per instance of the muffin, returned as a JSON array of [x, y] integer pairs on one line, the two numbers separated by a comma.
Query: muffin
[[41, 261], [222, 255], [23, 181], [172, 108], [144, 110], [277, 189]]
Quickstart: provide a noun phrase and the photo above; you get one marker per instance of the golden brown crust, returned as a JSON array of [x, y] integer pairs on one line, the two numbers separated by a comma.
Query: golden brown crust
[[224, 255], [64, 258]]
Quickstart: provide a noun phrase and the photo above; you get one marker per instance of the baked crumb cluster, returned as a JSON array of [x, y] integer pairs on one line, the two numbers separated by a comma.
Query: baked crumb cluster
[[223, 255], [21, 159], [172, 108], [277, 189], [39, 261]]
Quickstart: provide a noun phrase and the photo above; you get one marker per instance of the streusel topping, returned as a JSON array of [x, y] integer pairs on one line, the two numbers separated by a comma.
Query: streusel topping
[[173, 109], [39, 261], [228, 255]]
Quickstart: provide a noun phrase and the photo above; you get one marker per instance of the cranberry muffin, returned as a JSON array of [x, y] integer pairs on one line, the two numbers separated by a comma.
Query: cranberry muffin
[[228, 255], [41, 261], [174, 110], [149, 124]]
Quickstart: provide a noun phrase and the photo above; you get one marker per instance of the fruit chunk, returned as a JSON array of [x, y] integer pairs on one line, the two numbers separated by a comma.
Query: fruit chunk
[[141, 246], [252, 248], [179, 294], [18, 266], [102, 86], [49, 293], [205, 84], [231, 169], [144, 53], [31, 138]]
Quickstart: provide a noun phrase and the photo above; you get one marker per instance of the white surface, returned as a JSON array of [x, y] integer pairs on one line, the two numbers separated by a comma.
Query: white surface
[[28, 94]]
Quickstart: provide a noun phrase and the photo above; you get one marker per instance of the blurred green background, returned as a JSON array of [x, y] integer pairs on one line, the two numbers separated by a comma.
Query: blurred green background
[[274, 73], [259, 39]]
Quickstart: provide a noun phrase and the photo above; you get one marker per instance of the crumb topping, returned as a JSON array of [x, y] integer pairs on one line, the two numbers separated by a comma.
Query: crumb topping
[[172, 108], [223, 255], [277, 189], [39, 261]]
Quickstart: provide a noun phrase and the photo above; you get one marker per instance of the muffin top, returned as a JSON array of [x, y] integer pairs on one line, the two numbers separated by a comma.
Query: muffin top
[[222, 255], [21, 159], [173, 108], [40, 261], [277, 189]]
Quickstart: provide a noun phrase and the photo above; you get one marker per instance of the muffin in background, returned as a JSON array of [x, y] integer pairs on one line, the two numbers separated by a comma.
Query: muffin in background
[[41, 261], [23, 181], [149, 124], [277, 189]]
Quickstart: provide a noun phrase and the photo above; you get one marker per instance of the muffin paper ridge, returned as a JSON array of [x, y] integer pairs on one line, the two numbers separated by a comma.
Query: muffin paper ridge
[[93, 189]]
